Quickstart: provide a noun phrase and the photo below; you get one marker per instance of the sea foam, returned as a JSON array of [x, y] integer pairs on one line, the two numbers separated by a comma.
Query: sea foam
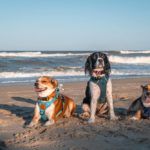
[[130, 60], [39, 54]]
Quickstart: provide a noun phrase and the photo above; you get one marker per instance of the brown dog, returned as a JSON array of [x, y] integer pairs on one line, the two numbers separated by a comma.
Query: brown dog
[[51, 105], [140, 108]]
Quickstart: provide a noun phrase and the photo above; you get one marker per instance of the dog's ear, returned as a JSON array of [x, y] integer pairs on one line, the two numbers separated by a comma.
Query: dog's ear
[[54, 82], [88, 65], [145, 87], [107, 67], [142, 86]]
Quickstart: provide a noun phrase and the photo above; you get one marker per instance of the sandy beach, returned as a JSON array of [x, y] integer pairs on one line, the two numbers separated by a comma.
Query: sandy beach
[[16, 109]]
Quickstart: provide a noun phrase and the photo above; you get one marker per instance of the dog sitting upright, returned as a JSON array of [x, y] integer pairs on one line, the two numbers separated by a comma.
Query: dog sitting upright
[[140, 108], [51, 105], [99, 87]]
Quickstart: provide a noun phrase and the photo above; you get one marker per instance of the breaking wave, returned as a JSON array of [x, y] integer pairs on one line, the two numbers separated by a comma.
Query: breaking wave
[[129, 73], [27, 75], [6, 75], [130, 60], [39, 54], [135, 52]]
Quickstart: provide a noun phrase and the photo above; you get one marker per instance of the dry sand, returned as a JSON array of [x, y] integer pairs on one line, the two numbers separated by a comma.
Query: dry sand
[[16, 109]]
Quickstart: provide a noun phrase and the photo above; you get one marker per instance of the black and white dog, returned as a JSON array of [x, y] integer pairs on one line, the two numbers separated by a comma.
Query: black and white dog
[[99, 87]]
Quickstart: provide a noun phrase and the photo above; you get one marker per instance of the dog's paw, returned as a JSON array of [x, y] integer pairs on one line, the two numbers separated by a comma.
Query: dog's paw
[[91, 120], [84, 115], [32, 124], [114, 118], [134, 118], [49, 122]]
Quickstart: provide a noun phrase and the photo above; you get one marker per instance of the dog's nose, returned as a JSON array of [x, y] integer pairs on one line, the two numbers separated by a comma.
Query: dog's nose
[[148, 93], [36, 84], [100, 61]]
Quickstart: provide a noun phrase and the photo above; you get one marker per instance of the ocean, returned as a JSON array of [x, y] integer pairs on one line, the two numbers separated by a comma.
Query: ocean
[[66, 66]]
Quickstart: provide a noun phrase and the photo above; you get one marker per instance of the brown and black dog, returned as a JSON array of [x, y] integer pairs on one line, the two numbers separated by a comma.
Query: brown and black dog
[[51, 105], [140, 108]]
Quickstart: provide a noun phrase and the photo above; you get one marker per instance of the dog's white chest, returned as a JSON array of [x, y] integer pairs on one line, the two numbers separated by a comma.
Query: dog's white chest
[[95, 90]]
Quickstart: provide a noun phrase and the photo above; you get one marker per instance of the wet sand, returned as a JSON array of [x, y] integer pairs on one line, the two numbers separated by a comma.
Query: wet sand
[[16, 109]]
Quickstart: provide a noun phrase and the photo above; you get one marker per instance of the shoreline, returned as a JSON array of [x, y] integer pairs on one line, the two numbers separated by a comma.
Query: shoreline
[[17, 105], [64, 80]]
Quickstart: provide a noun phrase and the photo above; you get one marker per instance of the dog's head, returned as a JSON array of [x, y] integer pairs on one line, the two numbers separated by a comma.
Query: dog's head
[[97, 64], [146, 95], [45, 85]]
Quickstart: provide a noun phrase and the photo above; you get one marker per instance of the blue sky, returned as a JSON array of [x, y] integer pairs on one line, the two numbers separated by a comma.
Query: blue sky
[[74, 24]]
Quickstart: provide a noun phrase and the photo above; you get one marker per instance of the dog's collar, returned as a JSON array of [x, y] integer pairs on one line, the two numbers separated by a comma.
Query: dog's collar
[[102, 72], [52, 95]]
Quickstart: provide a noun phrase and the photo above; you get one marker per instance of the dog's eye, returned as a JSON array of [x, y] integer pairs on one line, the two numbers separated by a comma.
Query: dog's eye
[[44, 81], [52, 81]]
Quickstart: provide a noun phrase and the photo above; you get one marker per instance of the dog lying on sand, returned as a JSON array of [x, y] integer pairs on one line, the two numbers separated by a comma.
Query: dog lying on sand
[[51, 104], [140, 108]]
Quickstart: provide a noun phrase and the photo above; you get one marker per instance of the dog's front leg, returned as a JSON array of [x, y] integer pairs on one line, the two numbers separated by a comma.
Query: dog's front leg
[[50, 115], [36, 116], [95, 93], [110, 101], [137, 116]]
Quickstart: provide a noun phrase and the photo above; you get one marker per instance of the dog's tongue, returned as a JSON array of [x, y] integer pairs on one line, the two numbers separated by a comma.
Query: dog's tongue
[[38, 89], [147, 100]]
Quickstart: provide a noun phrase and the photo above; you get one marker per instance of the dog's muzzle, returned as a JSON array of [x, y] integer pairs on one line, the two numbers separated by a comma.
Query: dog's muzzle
[[147, 94], [38, 88]]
